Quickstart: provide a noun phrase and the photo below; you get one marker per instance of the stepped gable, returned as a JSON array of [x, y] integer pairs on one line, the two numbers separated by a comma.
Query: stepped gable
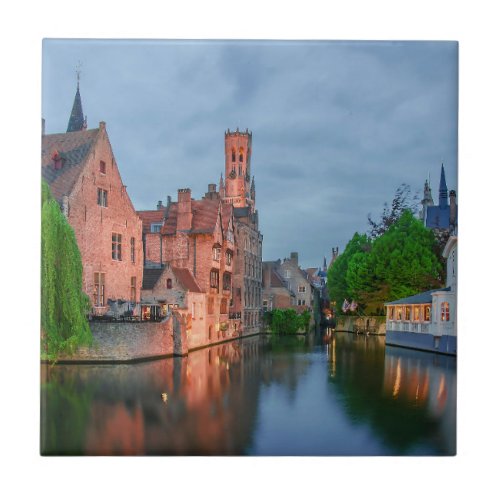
[[186, 279], [150, 277], [149, 217], [63, 159]]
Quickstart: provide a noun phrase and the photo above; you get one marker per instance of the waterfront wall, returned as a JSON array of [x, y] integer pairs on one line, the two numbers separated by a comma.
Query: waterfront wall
[[375, 325], [124, 341], [445, 344]]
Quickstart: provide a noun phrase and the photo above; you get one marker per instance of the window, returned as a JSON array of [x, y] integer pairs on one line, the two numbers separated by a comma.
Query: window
[[116, 246], [264, 305], [302, 289], [390, 312], [233, 155], [229, 257], [102, 167], [133, 289], [132, 250], [214, 279], [407, 313], [98, 289], [239, 170], [156, 227], [169, 283], [427, 313], [416, 313], [445, 311], [102, 197], [287, 274], [399, 313], [301, 302], [223, 306], [226, 281], [241, 155], [216, 253]]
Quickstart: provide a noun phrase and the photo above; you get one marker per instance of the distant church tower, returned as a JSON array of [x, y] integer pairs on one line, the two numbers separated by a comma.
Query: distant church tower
[[427, 201], [76, 120], [238, 189]]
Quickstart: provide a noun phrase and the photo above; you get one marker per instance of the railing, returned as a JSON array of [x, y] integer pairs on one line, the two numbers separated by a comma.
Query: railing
[[408, 326], [235, 315]]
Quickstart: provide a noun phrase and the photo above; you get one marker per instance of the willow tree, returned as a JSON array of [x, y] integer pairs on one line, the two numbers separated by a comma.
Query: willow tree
[[64, 306]]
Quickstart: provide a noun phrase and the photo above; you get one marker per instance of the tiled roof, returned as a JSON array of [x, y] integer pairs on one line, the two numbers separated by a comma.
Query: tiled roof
[[186, 279], [227, 210], [150, 277], [204, 216], [73, 148], [278, 282], [420, 298], [149, 217]]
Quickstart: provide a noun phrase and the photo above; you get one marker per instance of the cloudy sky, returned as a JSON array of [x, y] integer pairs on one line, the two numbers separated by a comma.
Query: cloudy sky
[[337, 126]]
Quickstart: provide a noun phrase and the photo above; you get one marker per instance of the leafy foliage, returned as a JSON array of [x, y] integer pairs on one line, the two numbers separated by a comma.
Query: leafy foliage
[[403, 201], [287, 321], [338, 287], [63, 304], [400, 262]]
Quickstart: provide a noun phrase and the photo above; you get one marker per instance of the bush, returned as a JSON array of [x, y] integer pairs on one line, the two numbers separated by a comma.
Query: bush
[[287, 321]]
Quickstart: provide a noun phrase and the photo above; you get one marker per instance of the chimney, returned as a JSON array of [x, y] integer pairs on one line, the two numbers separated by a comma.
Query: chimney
[[453, 209], [212, 188], [159, 205], [102, 125], [294, 257], [184, 213]]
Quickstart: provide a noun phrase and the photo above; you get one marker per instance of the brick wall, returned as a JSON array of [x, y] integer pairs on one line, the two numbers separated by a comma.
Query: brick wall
[[95, 224], [122, 341]]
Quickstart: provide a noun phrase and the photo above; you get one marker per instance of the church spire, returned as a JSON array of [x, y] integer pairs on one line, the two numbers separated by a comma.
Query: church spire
[[443, 189], [76, 120], [222, 189]]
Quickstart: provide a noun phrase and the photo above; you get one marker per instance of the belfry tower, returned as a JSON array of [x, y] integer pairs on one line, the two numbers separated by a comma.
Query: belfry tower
[[238, 149]]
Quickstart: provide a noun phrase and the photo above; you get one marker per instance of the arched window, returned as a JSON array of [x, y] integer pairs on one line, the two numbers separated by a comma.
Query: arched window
[[241, 154], [233, 155]]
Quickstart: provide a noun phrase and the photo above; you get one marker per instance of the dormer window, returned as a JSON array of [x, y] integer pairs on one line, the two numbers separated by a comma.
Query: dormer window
[[102, 167], [156, 227]]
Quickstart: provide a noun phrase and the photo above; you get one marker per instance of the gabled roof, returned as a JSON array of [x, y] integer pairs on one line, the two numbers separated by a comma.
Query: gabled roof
[[150, 277], [420, 298], [149, 217], [186, 279], [73, 148], [204, 220], [278, 282]]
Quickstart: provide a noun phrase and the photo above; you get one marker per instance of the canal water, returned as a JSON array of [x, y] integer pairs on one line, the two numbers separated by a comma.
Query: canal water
[[343, 394]]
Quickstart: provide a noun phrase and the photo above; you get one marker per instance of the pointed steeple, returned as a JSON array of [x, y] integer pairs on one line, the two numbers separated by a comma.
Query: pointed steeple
[[443, 189], [324, 263], [222, 189], [252, 188], [76, 120]]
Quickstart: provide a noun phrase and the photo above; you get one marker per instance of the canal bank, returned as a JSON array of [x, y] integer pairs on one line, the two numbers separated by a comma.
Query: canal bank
[[130, 342], [373, 325]]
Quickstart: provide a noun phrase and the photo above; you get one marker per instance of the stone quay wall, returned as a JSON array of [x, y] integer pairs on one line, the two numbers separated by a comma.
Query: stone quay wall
[[375, 325], [133, 341]]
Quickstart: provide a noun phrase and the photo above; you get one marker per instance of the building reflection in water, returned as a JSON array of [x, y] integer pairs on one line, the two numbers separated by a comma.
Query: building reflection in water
[[407, 397], [211, 403]]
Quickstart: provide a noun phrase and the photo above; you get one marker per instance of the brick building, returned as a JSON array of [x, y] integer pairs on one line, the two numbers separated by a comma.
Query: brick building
[[196, 236], [285, 281], [238, 191], [81, 170]]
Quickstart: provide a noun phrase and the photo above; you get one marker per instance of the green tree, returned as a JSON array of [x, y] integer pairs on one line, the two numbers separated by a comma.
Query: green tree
[[404, 259], [64, 306], [338, 287]]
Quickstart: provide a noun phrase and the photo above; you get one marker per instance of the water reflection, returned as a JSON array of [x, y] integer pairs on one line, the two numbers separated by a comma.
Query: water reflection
[[407, 397], [335, 395]]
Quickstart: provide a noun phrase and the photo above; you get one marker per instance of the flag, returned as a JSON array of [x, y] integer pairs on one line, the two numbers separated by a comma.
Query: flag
[[353, 306], [345, 306]]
